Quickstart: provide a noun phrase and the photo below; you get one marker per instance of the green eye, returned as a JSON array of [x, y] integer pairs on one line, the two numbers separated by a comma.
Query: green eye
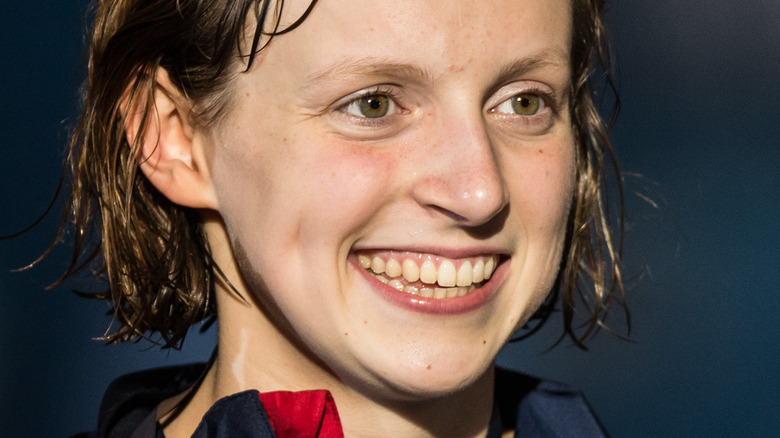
[[374, 106], [526, 104]]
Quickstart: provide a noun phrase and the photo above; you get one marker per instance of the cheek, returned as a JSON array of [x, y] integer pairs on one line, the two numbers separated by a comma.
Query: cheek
[[346, 178], [343, 186], [298, 187], [541, 188], [542, 184]]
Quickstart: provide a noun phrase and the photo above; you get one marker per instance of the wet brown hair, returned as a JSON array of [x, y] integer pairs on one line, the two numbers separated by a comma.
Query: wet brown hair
[[154, 255]]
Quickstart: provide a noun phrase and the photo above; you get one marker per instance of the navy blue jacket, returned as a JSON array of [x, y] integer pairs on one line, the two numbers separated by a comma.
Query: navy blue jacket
[[530, 406]]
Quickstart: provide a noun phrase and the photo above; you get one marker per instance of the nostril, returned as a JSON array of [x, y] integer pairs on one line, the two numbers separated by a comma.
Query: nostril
[[450, 214], [492, 226], [470, 208]]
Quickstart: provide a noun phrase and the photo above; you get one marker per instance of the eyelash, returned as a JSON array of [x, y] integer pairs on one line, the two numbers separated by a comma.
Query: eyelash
[[546, 98], [542, 120], [380, 90]]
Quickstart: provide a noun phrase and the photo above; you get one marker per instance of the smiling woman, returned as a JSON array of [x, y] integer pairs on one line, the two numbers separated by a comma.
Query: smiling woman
[[370, 218]]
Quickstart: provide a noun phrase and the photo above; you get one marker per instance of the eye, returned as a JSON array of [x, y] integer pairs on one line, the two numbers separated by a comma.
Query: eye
[[523, 104], [371, 106], [372, 113]]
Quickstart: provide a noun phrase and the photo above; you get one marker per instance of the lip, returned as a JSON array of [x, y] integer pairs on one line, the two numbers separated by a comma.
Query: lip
[[440, 306], [434, 251]]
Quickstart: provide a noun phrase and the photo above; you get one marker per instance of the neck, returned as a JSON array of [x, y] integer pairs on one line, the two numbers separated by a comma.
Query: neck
[[255, 355]]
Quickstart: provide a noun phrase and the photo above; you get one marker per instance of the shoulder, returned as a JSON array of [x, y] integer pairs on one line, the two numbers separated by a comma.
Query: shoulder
[[131, 398], [542, 408]]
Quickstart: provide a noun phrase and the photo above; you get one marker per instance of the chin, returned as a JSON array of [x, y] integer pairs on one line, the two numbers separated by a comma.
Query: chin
[[426, 381], [441, 385]]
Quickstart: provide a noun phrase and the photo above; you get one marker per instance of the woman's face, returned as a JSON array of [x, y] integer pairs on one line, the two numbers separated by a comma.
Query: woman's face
[[405, 144]]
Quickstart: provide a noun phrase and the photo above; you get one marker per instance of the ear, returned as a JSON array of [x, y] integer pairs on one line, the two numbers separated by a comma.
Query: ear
[[171, 149]]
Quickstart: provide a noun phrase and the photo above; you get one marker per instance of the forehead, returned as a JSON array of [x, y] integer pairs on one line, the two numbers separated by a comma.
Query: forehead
[[435, 35]]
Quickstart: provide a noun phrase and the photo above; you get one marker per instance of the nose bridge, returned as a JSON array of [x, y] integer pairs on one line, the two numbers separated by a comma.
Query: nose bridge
[[458, 172]]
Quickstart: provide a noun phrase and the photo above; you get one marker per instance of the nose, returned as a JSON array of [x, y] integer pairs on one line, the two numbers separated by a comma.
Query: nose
[[458, 174]]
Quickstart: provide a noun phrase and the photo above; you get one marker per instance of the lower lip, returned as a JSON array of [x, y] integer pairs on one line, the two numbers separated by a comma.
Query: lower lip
[[439, 306]]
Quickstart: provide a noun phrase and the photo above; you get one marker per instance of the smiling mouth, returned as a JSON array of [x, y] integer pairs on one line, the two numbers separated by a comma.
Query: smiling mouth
[[430, 276]]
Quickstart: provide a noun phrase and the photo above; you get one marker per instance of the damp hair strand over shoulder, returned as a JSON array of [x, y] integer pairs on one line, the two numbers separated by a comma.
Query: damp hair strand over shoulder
[[591, 278]]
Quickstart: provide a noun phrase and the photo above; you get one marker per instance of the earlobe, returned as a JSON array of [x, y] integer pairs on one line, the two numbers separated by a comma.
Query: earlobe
[[168, 146]]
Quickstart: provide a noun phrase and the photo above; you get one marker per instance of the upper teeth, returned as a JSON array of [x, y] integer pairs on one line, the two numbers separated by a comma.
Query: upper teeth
[[415, 267]]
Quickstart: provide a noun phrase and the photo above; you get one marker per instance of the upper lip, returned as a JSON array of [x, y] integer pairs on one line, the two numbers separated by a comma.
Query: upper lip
[[446, 252]]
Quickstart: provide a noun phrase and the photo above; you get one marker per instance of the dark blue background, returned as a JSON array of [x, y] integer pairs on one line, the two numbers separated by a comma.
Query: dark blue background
[[699, 135]]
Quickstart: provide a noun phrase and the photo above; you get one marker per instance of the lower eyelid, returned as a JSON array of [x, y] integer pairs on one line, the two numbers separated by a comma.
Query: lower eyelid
[[367, 122], [535, 124], [350, 121], [543, 112]]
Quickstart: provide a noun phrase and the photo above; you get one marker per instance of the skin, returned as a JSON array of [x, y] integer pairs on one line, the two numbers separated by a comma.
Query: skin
[[295, 182]]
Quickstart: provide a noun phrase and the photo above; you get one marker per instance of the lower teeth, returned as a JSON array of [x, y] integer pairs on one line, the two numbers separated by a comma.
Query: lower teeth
[[426, 292]]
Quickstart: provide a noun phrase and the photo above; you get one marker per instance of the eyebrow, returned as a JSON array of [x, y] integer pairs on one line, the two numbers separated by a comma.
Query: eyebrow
[[369, 66], [382, 67], [548, 59]]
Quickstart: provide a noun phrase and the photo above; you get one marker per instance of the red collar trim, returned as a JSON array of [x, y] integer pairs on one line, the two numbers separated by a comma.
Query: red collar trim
[[302, 414]]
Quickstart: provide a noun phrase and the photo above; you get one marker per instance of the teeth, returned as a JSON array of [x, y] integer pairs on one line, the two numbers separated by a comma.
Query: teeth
[[465, 274], [364, 261], [396, 284], [478, 272], [393, 268], [378, 265], [446, 281], [428, 272], [489, 266], [411, 271], [446, 274]]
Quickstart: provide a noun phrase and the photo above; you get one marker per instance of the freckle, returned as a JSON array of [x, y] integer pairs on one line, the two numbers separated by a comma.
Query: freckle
[[346, 334], [541, 151], [365, 322], [284, 140], [428, 367]]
